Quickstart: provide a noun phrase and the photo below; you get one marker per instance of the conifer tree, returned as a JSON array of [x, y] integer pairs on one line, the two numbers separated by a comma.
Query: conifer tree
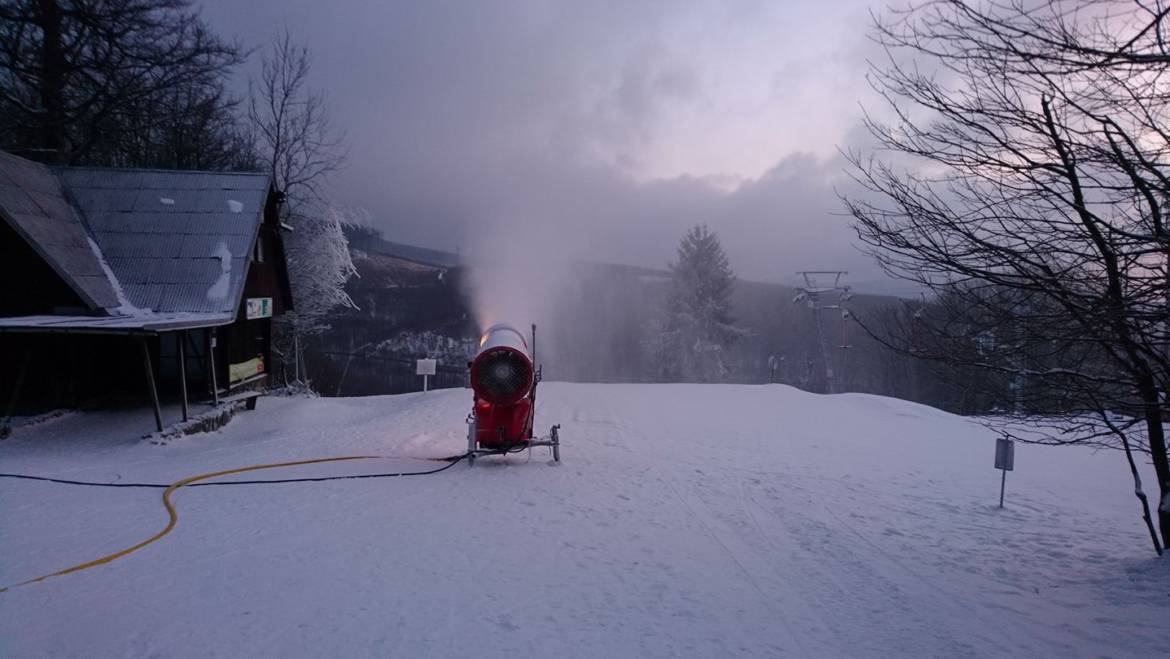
[[691, 339]]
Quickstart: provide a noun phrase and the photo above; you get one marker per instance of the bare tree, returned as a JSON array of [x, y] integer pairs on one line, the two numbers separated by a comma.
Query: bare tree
[[73, 73], [1033, 169], [195, 127], [297, 137], [300, 147]]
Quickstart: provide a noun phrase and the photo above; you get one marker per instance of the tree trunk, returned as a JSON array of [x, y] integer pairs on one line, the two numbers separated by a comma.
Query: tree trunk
[[1139, 491], [1156, 435], [52, 83]]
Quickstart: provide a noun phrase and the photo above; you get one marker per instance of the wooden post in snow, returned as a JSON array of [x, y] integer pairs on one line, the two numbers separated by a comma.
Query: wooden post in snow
[[211, 366], [180, 338], [150, 383]]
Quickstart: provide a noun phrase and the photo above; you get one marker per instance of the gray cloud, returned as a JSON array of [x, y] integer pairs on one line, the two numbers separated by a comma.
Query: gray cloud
[[594, 130]]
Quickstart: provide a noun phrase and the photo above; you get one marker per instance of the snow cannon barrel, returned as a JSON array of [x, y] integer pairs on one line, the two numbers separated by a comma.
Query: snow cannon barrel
[[502, 378], [502, 372]]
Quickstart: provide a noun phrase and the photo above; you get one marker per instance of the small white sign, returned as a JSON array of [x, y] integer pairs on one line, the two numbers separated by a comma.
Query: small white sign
[[1005, 454], [426, 367], [259, 307]]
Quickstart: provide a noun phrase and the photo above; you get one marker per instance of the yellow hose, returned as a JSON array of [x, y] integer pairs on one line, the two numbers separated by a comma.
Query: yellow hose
[[174, 518]]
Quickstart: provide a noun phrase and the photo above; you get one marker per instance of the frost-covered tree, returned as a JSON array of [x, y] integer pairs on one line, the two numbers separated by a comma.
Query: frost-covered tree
[[690, 341], [319, 265]]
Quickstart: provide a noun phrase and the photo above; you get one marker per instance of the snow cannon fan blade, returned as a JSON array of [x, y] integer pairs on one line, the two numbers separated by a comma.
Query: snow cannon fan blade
[[502, 376]]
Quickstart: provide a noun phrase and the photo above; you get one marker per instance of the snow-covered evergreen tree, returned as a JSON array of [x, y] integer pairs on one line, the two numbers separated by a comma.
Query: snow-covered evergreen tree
[[690, 341]]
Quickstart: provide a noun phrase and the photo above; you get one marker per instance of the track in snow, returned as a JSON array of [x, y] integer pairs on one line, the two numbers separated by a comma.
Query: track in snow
[[786, 524]]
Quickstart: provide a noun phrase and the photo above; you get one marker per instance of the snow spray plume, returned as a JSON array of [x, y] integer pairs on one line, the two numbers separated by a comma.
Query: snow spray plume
[[524, 272], [517, 271]]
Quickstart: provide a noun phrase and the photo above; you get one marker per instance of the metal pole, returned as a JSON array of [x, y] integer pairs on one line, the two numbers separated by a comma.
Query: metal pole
[[211, 366], [150, 383], [180, 339], [296, 356], [425, 383], [1002, 482]]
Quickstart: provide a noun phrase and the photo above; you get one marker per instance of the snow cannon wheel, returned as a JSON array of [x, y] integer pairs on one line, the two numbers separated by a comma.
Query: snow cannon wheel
[[556, 443]]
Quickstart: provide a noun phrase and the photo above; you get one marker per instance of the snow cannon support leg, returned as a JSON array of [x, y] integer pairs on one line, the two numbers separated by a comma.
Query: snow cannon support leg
[[471, 441]]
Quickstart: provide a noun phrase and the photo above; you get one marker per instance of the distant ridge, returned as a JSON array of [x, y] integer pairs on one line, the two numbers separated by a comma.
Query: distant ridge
[[370, 240]]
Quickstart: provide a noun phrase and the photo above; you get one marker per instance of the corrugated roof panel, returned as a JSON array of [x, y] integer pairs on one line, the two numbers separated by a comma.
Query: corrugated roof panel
[[28, 176], [143, 296], [208, 245], [81, 261], [135, 270], [93, 280], [34, 203], [112, 179], [165, 253], [92, 200], [130, 245], [182, 271], [166, 201], [112, 222], [200, 246], [156, 223], [208, 224], [42, 229], [195, 295], [15, 200]]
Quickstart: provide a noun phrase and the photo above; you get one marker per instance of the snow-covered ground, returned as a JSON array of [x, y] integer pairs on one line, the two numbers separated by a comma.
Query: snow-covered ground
[[685, 520]]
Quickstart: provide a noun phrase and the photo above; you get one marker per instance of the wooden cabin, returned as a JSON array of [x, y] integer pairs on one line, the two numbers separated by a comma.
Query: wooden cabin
[[120, 282]]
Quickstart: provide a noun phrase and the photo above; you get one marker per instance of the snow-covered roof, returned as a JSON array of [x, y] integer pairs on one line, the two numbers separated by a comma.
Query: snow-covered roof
[[35, 206], [144, 249], [174, 241]]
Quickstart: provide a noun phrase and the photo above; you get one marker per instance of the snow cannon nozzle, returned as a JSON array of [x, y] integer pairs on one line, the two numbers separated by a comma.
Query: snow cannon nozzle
[[502, 372]]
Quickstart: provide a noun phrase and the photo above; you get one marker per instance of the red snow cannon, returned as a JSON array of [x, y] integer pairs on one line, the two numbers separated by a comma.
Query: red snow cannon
[[504, 376]]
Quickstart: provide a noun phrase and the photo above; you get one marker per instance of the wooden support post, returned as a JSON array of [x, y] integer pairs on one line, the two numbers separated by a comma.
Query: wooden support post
[[211, 366], [150, 383], [180, 339], [11, 409]]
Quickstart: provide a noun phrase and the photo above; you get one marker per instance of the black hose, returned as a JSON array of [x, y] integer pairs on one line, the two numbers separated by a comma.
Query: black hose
[[451, 462]]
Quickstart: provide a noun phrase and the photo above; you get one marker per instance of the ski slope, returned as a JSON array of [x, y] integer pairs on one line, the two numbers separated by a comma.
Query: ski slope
[[685, 520]]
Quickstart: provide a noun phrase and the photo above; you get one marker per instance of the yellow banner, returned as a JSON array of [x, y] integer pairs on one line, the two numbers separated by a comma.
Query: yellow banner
[[237, 372]]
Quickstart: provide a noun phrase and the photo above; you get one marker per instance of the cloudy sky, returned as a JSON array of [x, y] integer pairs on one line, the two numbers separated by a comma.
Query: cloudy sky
[[597, 130]]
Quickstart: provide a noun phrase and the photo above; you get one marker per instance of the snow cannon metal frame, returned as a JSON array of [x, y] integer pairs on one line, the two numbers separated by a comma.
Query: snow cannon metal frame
[[504, 375]]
